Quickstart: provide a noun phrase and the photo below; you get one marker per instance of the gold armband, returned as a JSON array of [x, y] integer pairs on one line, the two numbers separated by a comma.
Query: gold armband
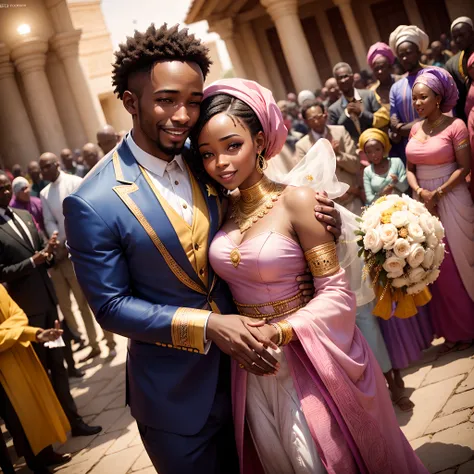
[[322, 260], [187, 329], [286, 331]]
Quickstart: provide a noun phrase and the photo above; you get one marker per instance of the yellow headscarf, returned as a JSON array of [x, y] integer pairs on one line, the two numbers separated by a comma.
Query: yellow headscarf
[[375, 134]]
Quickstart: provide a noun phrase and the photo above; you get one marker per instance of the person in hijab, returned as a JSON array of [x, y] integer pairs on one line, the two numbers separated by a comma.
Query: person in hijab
[[326, 407], [22, 199], [407, 42], [380, 59], [462, 31], [438, 155]]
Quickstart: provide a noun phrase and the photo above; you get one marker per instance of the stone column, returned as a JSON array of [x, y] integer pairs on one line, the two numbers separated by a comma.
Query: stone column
[[413, 13], [66, 46], [353, 31], [299, 58], [328, 39], [254, 51], [29, 57], [18, 142], [225, 29]]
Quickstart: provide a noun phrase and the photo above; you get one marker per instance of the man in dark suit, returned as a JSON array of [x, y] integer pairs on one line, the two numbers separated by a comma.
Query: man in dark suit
[[355, 108], [24, 260]]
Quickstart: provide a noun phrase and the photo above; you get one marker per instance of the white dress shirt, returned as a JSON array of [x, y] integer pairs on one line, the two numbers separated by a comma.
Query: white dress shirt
[[170, 179], [52, 197]]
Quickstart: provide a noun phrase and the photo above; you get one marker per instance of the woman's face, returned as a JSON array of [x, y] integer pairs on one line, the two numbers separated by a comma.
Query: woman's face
[[229, 152], [24, 194], [382, 69], [425, 101], [470, 72], [374, 151]]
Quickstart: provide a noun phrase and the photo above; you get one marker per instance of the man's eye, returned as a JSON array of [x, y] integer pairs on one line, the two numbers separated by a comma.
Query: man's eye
[[164, 101]]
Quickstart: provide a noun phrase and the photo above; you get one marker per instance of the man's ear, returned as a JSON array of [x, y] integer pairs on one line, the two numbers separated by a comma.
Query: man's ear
[[130, 102]]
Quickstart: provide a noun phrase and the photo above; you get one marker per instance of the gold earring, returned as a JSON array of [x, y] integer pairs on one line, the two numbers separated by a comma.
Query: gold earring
[[261, 163], [437, 104]]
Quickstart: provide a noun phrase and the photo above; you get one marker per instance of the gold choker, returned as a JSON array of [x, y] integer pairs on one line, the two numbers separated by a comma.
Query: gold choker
[[255, 202]]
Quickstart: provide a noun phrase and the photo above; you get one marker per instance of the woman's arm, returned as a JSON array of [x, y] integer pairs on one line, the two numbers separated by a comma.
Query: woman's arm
[[402, 183], [369, 192]]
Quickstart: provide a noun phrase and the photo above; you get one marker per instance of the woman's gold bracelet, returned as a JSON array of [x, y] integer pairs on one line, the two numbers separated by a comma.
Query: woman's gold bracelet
[[287, 332], [419, 190], [280, 333]]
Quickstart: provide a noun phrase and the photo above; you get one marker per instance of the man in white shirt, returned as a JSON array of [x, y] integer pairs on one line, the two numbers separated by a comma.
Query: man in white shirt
[[62, 273]]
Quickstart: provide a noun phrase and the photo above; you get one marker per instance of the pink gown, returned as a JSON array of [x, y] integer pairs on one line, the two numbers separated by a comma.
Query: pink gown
[[339, 385], [452, 305]]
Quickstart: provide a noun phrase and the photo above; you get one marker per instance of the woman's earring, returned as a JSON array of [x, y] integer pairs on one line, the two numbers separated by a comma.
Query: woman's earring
[[437, 104], [261, 163]]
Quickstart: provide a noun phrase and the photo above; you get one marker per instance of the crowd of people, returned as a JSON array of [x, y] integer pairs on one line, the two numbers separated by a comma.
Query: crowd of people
[[405, 127]]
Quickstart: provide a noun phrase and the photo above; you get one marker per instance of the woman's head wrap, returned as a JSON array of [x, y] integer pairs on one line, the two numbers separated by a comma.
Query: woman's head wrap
[[375, 134], [441, 83], [410, 33], [377, 51], [261, 101], [19, 184], [305, 95], [462, 19]]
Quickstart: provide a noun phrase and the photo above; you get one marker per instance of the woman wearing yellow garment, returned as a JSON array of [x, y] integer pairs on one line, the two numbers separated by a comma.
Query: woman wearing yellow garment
[[28, 404], [384, 175]]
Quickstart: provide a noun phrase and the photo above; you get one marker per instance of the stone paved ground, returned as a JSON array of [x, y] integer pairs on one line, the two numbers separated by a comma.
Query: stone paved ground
[[440, 429]]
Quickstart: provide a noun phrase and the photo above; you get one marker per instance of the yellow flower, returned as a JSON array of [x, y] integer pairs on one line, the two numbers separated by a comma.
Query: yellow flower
[[381, 199], [403, 232], [386, 217]]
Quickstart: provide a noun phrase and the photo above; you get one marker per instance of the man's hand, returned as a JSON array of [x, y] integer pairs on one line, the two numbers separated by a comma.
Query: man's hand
[[240, 338], [52, 243], [394, 122], [39, 258], [354, 108], [306, 285], [326, 213], [45, 335]]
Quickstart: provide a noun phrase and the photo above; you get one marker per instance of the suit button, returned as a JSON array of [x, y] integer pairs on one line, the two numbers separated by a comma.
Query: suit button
[[196, 246], [176, 182]]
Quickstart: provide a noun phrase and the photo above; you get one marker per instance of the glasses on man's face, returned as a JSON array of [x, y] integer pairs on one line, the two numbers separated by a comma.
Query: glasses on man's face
[[343, 77], [315, 118]]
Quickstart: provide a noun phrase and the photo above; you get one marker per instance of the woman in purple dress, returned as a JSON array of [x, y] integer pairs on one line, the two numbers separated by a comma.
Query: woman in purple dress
[[23, 200]]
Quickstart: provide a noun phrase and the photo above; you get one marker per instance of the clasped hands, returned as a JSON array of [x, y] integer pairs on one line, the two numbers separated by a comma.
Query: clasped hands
[[46, 254], [46, 335]]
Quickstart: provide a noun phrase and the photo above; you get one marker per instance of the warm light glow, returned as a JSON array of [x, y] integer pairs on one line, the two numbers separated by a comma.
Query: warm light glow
[[24, 29]]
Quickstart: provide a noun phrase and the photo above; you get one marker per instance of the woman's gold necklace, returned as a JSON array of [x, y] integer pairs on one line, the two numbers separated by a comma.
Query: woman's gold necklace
[[255, 202], [436, 123]]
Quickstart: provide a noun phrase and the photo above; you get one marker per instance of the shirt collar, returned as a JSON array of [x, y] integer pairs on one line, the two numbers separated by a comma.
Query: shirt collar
[[2, 212], [152, 163], [317, 136], [357, 97], [58, 180]]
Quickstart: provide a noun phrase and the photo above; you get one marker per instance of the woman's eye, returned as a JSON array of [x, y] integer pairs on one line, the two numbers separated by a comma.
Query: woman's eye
[[235, 146], [205, 156]]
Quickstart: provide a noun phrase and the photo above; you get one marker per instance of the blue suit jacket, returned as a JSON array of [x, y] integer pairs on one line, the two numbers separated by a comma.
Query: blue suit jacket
[[123, 247]]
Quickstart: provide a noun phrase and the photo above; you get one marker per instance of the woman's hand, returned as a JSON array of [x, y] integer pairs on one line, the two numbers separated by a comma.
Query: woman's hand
[[387, 190], [394, 178], [269, 332], [46, 335], [430, 198]]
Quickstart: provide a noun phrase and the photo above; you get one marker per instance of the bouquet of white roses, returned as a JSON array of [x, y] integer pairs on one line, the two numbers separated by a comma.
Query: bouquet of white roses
[[402, 247]]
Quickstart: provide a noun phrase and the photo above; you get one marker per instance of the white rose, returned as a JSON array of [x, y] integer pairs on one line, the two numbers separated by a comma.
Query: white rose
[[438, 229], [371, 221], [427, 224], [417, 254], [438, 255], [401, 248], [400, 218], [413, 290], [416, 275], [394, 265], [415, 232], [429, 258], [388, 234], [372, 241], [432, 241], [432, 276], [416, 207], [393, 275], [399, 282]]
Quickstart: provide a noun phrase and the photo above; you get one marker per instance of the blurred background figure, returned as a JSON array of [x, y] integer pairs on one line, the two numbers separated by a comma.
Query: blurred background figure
[[107, 138], [69, 164], [91, 156], [22, 199], [37, 181]]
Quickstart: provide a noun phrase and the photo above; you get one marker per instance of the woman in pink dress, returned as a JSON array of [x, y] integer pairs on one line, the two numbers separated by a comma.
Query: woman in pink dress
[[439, 156], [327, 408]]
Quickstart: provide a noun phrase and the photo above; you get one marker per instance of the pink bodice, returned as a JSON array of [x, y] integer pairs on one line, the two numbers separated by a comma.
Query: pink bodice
[[268, 267], [439, 149]]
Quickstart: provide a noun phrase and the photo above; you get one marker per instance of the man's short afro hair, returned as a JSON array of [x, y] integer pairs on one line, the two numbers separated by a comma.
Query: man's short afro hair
[[145, 49]]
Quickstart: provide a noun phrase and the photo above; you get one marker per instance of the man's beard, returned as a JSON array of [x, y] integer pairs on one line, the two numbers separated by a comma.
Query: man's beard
[[169, 150]]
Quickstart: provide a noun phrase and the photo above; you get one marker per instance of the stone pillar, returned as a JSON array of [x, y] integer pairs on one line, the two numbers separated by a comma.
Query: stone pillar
[[353, 31], [225, 29], [328, 39], [66, 45], [67, 110], [29, 57], [18, 142], [298, 56], [414, 14], [254, 51]]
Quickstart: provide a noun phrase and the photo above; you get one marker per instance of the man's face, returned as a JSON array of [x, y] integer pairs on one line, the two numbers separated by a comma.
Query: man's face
[[409, 56], [68, 159], [34, 171], [49, 169], [333, 89], [107, 142], [5, 191], [315, 118], [91, 157], [436, 48], [167, 108], [463, 36], [345, 80]]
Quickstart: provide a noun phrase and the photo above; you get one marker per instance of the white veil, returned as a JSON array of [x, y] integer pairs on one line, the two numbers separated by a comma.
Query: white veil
[[317, 170]]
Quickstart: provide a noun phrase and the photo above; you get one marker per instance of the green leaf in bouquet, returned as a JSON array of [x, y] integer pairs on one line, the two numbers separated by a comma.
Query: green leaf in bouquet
[[358, 219], [359, 232], [360, 252]]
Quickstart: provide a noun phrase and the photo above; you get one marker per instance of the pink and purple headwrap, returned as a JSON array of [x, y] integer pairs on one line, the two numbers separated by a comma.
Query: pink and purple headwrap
[[441, 83], [378, 50], [261, 101]]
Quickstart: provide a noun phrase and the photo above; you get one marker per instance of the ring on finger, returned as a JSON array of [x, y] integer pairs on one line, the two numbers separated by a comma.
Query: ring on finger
[[242, 366]]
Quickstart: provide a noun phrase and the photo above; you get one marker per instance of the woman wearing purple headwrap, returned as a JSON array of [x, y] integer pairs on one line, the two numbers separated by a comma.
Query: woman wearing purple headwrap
[[326, 409], [438, 155], [380, 59]]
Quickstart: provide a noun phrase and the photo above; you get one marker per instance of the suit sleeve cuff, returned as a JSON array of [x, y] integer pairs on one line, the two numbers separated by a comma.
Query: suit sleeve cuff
[[32, 262], [188, 329]]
